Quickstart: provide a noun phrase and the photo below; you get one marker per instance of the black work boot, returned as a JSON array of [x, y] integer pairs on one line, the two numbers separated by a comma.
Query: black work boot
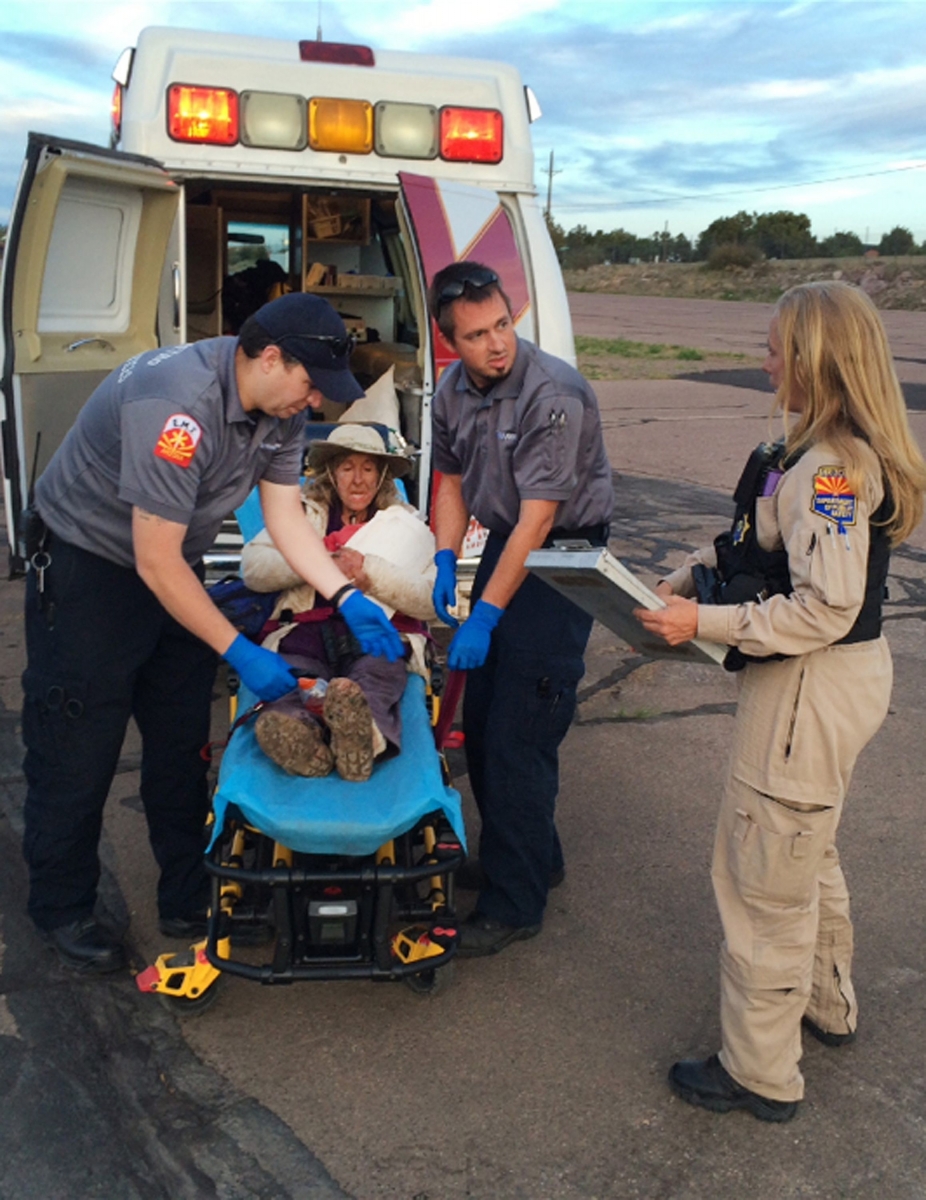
[[86, 946], [824, 1035], [481, 935], [706, 1084]]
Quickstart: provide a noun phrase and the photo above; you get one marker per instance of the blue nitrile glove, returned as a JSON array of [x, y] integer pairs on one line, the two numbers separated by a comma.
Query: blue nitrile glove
[[445, 586], [470, 645], [262, 672], [371, 627]]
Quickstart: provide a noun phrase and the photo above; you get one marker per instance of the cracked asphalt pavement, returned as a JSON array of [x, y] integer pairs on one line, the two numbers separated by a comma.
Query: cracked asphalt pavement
[[540, 1073]]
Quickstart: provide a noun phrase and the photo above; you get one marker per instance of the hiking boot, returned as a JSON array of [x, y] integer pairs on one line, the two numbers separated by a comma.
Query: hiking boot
[[294, 744], [348, 716]]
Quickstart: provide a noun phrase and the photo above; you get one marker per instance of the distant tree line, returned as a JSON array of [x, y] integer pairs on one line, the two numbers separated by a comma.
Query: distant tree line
[[740, 240]]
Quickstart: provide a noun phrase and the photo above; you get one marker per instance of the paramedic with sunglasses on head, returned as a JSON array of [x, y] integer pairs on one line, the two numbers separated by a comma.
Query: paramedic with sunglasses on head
[[118, 623], [517, 437]]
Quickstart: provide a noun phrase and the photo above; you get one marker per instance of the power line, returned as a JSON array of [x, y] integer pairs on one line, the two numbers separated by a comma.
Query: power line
[[777, 187]]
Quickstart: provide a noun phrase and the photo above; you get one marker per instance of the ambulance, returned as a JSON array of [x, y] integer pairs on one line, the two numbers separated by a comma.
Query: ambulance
[[241, 167]]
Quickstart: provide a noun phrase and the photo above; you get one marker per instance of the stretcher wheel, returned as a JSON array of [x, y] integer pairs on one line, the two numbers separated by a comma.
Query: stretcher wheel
[[192, 1006], [430, 983]]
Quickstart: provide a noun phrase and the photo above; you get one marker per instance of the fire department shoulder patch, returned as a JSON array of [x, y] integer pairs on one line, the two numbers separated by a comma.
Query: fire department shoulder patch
[[832, 498], [179, 439]]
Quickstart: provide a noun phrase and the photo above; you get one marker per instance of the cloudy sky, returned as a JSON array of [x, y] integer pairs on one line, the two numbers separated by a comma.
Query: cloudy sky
[[659, 111]]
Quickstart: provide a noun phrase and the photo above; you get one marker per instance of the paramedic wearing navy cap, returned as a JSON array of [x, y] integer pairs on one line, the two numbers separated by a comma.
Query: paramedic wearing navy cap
[[517, 436], [118, 623]]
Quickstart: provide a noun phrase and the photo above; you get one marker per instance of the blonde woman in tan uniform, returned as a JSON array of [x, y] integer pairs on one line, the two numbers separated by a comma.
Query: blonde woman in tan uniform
[[798, 599]]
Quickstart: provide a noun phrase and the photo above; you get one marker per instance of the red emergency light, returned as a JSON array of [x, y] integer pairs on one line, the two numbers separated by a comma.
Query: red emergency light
[[471, 135], [337, 52], [202, 114], [116, 112]]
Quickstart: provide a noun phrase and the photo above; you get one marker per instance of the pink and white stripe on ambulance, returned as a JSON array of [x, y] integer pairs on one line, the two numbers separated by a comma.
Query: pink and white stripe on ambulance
[[454, 221]]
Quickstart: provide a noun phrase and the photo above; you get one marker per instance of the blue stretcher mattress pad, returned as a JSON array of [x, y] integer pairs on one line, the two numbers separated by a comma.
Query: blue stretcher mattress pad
[[329, 815]]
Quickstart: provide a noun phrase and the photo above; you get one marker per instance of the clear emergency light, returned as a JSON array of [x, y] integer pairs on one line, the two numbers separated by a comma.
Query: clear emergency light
[[273, 120], [471, 135], [202, 114], [340, 125], [406, 130]]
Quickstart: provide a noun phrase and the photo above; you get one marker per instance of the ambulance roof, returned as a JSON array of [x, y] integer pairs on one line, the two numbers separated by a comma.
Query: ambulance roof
[[166, 56]]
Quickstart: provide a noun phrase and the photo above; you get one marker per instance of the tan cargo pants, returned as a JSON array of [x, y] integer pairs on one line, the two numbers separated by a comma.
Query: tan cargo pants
[[787, 945]]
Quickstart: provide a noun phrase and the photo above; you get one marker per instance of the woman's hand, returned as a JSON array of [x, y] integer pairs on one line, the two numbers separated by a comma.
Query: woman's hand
[[664, 590], [677, 623], [351, 563]]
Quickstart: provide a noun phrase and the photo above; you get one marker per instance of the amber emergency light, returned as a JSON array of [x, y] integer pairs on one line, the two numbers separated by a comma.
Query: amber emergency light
[[344, 126], [471, 135], [202, 114]]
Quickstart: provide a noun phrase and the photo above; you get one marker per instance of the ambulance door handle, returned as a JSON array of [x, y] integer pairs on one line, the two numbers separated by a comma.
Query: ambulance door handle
[[175, 277], [90, 342]]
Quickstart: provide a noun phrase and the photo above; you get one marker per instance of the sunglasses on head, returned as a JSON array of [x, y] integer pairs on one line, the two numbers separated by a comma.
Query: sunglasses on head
[[453, 289], [340, 345]]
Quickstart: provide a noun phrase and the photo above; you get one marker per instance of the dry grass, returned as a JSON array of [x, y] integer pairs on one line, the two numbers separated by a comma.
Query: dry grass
[[891, 282], [618, 358]]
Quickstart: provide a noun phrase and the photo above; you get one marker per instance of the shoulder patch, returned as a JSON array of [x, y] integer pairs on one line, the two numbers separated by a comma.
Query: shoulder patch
[[179, 439], [832, 498]]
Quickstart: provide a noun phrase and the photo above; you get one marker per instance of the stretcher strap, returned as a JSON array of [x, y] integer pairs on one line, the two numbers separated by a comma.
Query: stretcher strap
[[448, 709]]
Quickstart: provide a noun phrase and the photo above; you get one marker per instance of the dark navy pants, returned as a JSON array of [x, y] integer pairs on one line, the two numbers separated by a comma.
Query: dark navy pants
[[517, 709], [101, 649]]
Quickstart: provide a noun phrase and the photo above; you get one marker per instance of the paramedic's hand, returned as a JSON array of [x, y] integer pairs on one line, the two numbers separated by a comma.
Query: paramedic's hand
[[470, 645], [371, 627], [445, 586], [262, 672], [676, 623]]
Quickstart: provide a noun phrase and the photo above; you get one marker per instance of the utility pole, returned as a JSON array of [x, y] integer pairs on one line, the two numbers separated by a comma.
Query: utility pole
[[550, 174]]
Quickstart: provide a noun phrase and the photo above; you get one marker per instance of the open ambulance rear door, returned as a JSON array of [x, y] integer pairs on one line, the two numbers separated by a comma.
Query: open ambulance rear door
[[452, 221], [91, 277]]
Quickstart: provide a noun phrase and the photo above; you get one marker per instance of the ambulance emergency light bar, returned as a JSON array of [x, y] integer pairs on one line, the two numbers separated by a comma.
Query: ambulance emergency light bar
[[276, 121]]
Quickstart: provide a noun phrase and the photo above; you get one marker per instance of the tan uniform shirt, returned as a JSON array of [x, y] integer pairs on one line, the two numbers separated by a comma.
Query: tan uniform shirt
[[802, 721]]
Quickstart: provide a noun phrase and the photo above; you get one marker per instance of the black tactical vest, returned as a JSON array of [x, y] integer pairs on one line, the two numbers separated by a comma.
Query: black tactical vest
[[747, 572]]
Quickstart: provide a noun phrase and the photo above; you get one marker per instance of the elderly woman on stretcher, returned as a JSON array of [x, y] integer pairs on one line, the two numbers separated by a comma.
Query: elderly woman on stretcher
[[387, 551]]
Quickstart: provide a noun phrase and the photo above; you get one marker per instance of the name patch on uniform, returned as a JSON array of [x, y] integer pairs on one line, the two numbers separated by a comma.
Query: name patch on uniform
[[179, 439], [833, 499]]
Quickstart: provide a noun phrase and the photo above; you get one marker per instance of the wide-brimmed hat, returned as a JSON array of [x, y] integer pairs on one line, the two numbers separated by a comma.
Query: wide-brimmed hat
[[356, 439], [308, 328]]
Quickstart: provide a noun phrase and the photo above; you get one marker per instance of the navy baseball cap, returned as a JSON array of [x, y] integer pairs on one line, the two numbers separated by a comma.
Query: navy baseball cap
[[308, 328]]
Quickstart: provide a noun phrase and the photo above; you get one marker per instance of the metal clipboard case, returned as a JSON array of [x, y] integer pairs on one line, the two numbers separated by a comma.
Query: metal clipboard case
[[600, 584]]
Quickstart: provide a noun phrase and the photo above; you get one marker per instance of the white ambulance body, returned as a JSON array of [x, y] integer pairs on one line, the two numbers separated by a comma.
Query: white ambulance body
[[359, 177]]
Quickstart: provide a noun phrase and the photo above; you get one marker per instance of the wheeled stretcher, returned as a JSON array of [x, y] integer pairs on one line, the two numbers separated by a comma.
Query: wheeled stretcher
[[338, 880]]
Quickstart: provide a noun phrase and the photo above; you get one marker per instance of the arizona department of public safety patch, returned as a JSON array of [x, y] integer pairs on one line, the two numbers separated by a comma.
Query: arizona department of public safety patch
[[179, 439], [833, 499]]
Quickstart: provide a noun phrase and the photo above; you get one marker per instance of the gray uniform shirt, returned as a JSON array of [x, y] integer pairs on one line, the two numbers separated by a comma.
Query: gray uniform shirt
[[164, 432], [535, 436]]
